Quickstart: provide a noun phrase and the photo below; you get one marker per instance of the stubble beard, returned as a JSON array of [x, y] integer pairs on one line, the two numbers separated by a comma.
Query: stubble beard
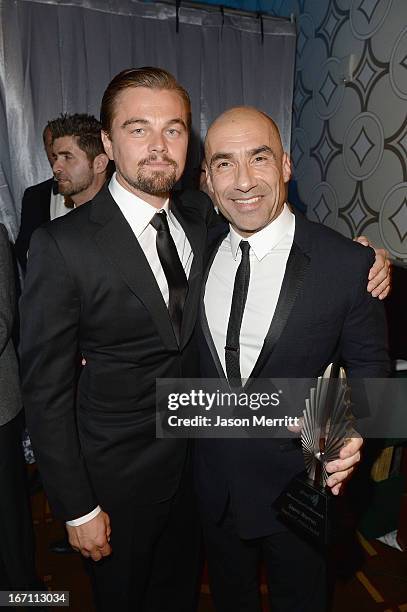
[[73, 189], [156, 183]]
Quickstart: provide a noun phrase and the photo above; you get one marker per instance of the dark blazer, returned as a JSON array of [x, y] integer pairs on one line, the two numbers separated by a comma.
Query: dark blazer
[[10, 396], [34, 213], [90, 289], [323, 314]]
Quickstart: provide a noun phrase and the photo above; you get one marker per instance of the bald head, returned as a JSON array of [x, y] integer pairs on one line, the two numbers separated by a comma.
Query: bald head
[[246, 168], [236, 117]]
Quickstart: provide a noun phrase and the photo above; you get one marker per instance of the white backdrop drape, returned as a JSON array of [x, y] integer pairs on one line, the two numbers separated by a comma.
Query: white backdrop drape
[[59, 56]]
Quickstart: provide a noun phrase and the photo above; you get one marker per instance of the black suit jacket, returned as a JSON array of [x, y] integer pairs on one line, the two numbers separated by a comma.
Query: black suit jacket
[[10, 394], [323, 314], [90, 289], [34, 213]]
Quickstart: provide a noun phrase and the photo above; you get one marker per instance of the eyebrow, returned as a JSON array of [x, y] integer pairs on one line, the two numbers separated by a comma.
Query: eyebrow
[[262, 149], [133, 120], [250, 153], [62, 152]]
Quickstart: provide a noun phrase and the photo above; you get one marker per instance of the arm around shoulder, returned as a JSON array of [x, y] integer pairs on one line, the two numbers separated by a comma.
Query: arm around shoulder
[[364, 346]]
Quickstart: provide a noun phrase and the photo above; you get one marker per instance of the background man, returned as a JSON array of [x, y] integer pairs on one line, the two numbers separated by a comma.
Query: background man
[[292, 296], [80, 172], [120, 283], [80, 164], [41, 203]]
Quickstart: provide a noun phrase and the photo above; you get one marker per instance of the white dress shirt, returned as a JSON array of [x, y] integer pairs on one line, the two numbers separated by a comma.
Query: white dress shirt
[[57, 206], [269, 251], [138, 215]]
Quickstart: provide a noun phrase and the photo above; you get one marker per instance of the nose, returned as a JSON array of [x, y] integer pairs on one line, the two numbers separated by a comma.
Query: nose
[[157, 143], [245, 180], [57, 166]]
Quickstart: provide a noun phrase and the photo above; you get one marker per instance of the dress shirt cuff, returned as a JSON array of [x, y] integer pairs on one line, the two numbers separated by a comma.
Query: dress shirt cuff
[[84, 519]]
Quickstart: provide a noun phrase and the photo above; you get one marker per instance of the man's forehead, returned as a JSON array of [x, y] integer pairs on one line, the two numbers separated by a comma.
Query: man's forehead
[[246, 134], [66, 143], [148, 102]]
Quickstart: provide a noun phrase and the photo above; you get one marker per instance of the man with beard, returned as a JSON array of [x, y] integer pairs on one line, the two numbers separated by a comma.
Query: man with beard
[[80, 162], [118, 281], [79, 173]]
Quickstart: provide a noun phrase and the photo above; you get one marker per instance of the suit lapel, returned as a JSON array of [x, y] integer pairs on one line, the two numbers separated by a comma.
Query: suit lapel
[[297, 265], [193, 227], [117, 242], [220, 231]]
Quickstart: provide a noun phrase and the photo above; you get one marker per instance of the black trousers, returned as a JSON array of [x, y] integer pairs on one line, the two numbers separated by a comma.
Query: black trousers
[[296, 573], [156, 561], [17, 568]]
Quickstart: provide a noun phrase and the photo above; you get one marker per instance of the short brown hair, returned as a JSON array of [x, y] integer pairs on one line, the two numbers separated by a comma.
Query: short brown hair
[[85, 128], [150, 77]]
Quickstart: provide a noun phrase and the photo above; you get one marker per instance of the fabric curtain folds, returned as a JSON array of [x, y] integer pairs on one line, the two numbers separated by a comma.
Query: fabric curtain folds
[[59, 56]]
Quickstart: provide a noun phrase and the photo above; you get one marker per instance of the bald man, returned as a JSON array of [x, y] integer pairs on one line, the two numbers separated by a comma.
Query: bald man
[[306, 306]]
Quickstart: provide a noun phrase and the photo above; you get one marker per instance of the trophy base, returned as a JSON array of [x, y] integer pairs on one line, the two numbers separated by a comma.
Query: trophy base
[[307, 509]]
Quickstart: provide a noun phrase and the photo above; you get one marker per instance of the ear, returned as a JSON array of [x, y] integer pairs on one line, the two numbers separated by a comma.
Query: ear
[[286, 166], [100, 163], [107, 143]]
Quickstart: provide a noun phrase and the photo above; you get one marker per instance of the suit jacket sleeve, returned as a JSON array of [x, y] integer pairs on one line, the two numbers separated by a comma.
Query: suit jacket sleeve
[[364, 335], [50, 313], [26, 225]]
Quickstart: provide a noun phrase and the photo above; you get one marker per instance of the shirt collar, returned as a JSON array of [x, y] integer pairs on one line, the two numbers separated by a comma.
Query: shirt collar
[[264, 241], [138, 212]]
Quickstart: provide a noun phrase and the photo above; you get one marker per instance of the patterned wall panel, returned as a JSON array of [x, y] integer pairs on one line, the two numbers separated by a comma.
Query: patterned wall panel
[[349, 144]]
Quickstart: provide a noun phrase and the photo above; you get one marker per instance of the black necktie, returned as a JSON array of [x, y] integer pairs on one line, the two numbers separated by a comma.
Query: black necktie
[[232, 348], [173, 270]]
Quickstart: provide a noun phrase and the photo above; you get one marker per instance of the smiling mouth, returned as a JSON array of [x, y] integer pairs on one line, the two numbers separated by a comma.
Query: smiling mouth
[[247, 201]]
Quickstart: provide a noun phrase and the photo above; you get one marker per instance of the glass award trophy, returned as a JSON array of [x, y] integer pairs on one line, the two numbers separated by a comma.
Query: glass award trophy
[[307, 504]]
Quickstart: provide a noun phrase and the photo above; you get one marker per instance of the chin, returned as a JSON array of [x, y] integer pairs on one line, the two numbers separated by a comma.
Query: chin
[[250, 228]]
